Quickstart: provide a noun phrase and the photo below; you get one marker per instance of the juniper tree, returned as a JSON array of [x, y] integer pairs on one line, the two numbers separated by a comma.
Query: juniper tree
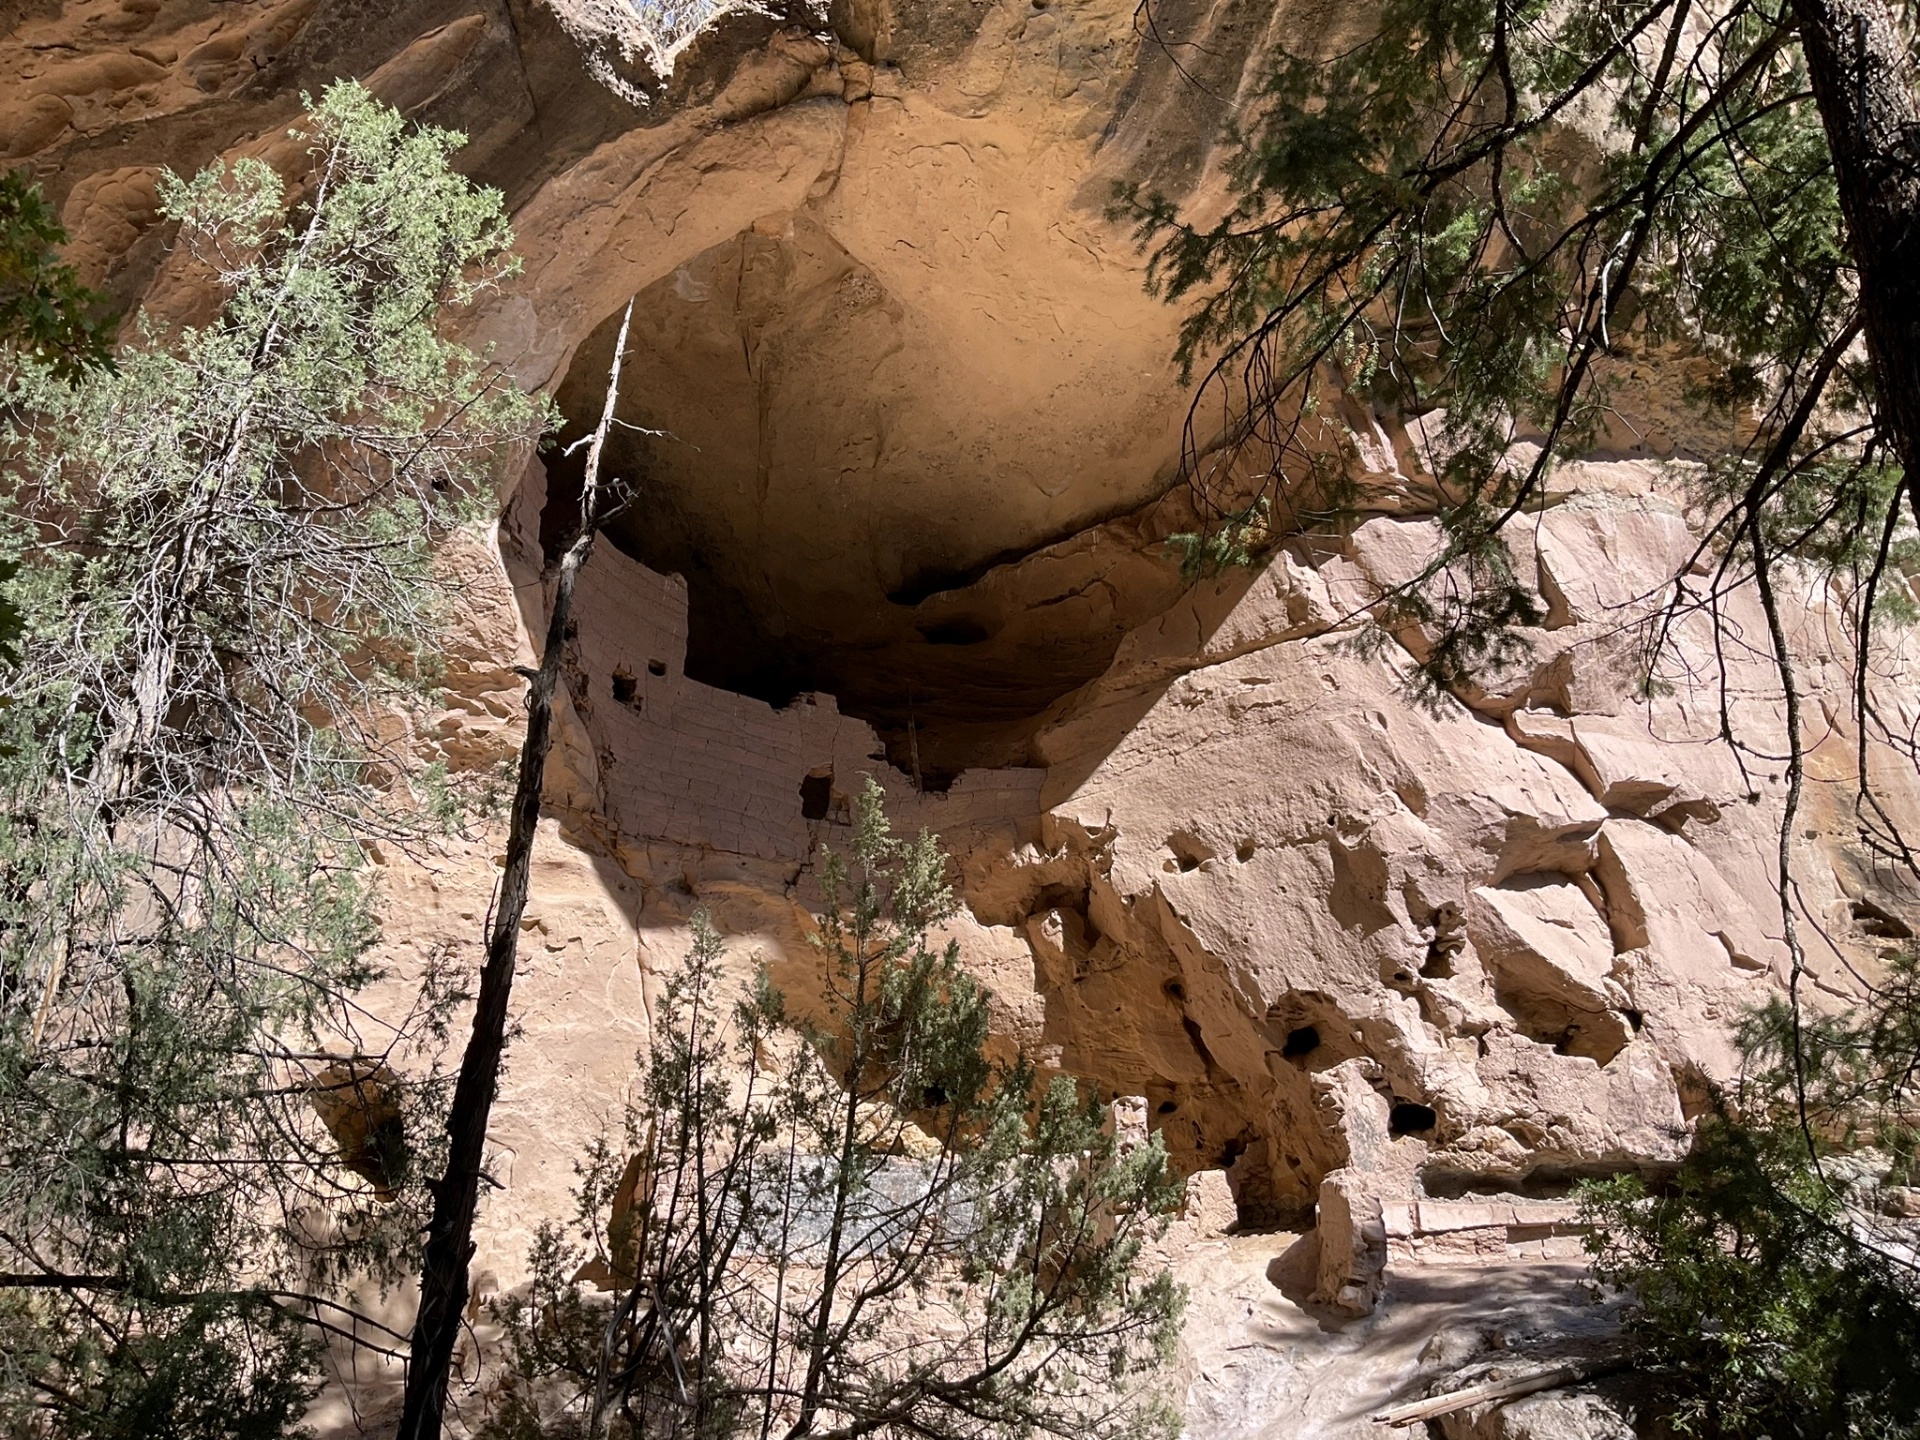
[[225, 550], [856, 1226], [1770, 1283], [1482, 213]]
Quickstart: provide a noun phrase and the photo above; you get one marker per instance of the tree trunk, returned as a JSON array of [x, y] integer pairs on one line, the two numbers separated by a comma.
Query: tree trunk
[[820, 1349], [443, 1271], [1864, 82]]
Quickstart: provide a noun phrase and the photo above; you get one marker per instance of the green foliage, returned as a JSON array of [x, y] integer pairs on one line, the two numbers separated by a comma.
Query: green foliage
[[202, 1371], [1851, 1075], [863, 1226], [1490, 214], [1768, 1295], [46, 315], [1760, 1309], [1238, 539], [224, 552]]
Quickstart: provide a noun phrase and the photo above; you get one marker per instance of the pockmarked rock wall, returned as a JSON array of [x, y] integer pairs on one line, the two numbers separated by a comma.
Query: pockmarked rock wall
[[1394, 969]]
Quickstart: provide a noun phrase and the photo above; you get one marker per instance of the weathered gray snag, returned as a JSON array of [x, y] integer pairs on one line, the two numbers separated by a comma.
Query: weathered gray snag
[[443, 1272], [1513, 1387]]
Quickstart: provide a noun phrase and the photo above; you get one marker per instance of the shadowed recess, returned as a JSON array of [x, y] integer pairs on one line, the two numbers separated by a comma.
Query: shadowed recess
[[891, 534]]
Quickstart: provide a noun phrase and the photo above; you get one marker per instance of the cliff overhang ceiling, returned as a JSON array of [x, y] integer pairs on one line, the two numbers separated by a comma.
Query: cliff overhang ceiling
[[916, 407]]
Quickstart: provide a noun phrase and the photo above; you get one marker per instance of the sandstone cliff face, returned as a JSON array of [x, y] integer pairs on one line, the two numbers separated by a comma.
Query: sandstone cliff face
[[1401, 969]]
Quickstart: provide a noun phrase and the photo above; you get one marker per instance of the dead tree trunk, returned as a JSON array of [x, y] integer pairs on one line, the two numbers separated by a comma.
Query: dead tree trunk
[[1864, 82], [443, 1272]]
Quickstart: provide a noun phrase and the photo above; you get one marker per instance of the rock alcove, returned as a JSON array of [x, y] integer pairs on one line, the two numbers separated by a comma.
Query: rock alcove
[[864, 506]]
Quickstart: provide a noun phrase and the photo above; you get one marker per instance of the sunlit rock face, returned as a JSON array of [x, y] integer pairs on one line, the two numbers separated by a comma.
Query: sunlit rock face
[[914, 442]]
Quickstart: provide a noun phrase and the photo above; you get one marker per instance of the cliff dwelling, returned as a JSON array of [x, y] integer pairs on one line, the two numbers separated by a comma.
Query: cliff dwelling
[[1388, 973]]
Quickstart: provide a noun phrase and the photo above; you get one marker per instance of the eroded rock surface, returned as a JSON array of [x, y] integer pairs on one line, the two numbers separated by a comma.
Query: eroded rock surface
[[1402, 968]]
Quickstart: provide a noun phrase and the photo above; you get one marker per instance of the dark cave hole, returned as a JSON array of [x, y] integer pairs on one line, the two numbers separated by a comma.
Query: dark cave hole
[[1878, 923], [1407, 1118], [1303, 1041], [626, 689], [956, 685], [1167, 1107], [1175, 992], [656, 667], [816, 796], [934, 1096], [1068, 899], [1189, 851], [935, 781]]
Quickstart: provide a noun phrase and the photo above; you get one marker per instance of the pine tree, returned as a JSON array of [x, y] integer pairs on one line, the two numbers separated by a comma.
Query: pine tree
[[1770, 1283]]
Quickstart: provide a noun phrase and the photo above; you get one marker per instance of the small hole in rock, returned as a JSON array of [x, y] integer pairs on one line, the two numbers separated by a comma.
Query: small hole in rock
[[1167, 1107], [1303, 1041], [934, 1096], [656, 667], [1407, 1118], [1175, 992], [625, 688], [1245, 851], [816, 795], [1439, 962]]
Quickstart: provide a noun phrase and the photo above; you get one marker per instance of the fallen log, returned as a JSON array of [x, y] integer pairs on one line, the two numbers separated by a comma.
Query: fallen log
[[1512, 1388]]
